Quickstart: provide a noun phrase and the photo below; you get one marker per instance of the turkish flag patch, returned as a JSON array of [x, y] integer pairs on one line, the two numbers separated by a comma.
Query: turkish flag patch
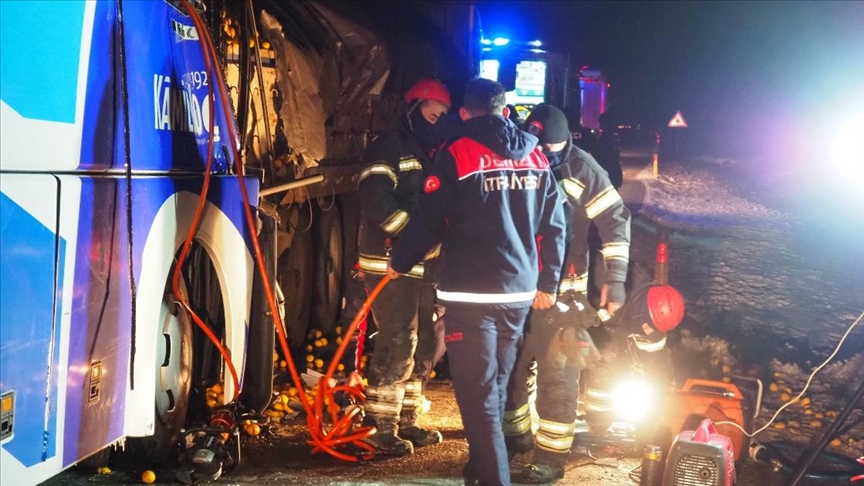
[[534, 128], [432, 184]]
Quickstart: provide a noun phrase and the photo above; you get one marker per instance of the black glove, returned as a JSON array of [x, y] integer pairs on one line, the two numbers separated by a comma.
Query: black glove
[[579, 305]]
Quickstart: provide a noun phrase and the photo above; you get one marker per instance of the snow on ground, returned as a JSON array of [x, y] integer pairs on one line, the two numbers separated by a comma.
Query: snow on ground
[[769, 291], [695, 195]]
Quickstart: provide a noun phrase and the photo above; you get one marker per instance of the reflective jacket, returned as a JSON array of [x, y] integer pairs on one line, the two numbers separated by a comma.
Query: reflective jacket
[[488, 198], [592, 198], [390, 185]]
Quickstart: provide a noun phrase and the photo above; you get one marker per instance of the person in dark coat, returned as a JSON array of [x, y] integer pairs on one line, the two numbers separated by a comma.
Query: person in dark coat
[[406, 342], [489, 198], [556, 340]]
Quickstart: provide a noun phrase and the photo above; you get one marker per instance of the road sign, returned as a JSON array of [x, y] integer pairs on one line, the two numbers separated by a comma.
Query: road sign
[[677, 121]]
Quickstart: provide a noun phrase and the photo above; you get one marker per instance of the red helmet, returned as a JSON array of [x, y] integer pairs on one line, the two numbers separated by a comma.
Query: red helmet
[[659, 306], [666, 306], [428, 89]]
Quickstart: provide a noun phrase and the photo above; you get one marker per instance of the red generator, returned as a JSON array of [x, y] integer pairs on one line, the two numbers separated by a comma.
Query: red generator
[[700, 457]]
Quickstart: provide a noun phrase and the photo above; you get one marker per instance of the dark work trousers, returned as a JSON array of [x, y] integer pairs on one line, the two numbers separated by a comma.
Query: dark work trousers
[[405, 341], [557, 385], [482, 341]]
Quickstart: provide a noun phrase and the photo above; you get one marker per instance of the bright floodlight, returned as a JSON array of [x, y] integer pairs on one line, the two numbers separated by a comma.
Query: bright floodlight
[[632, 399], [500, 41], [847, 150]]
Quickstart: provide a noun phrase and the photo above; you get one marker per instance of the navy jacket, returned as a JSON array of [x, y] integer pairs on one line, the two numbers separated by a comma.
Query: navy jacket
[[489, 197]]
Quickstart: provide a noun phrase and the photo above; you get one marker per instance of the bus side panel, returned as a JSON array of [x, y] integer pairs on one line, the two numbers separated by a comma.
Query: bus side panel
[[108, 377], [169, 88], [101, 328], [99, 337], [44, 51], [61, 81], [102, 98], [31, 276]]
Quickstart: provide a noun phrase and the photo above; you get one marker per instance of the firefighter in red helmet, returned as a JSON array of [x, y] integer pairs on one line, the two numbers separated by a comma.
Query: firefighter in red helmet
[[406, 341], [634, 341]]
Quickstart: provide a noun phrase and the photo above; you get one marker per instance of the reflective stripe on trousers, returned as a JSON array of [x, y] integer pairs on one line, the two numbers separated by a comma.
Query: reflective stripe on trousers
[[557, 391]]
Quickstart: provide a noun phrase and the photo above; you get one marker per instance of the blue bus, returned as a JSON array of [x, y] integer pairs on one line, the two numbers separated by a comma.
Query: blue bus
[[109, 119]]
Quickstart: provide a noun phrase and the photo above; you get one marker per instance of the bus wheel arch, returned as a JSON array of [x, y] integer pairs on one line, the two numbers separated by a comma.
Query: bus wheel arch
[[167, 373]]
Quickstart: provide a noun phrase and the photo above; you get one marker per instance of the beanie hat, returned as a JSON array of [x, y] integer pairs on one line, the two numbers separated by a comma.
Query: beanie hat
[[548, 124]]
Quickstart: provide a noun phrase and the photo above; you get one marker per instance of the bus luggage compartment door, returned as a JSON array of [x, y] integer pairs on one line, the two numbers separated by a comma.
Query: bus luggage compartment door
[[31, 276]]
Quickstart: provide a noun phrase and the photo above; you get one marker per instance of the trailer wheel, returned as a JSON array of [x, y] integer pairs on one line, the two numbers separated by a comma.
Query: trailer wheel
[[328, 261], [295, 273]]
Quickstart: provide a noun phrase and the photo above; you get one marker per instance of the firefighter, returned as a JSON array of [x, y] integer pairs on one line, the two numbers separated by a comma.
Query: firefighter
[[488, 199], [633, 343], [591, 198], [390, 185]]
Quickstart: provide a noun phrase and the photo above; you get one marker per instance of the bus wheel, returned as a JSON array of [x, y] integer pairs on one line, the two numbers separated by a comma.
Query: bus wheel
[[173, 375], [295, 275], [328, 260]]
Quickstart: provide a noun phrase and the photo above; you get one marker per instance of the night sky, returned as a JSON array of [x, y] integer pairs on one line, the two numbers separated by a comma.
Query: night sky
[[761, 75]]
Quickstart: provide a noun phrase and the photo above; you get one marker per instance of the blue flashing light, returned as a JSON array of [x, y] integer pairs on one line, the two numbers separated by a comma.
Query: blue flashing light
[[500, 41], [486, 41], [535, 43]]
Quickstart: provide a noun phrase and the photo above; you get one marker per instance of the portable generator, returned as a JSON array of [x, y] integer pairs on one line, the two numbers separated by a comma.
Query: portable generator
[[700, 457], [702, 399]]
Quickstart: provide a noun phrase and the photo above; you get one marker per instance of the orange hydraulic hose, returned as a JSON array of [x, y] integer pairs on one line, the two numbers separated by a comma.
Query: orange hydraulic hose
[[314, 416], [196, 220], [327, 396]]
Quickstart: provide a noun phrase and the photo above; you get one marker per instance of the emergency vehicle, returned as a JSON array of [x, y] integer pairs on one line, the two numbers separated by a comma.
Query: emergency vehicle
[[534, 75]]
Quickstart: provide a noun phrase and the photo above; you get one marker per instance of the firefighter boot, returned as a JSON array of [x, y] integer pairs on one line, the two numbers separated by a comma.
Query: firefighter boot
[[538, 473], [517, 431], [386, 440], [383, 405], [545, 467], [411, 408], [518, 444]]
